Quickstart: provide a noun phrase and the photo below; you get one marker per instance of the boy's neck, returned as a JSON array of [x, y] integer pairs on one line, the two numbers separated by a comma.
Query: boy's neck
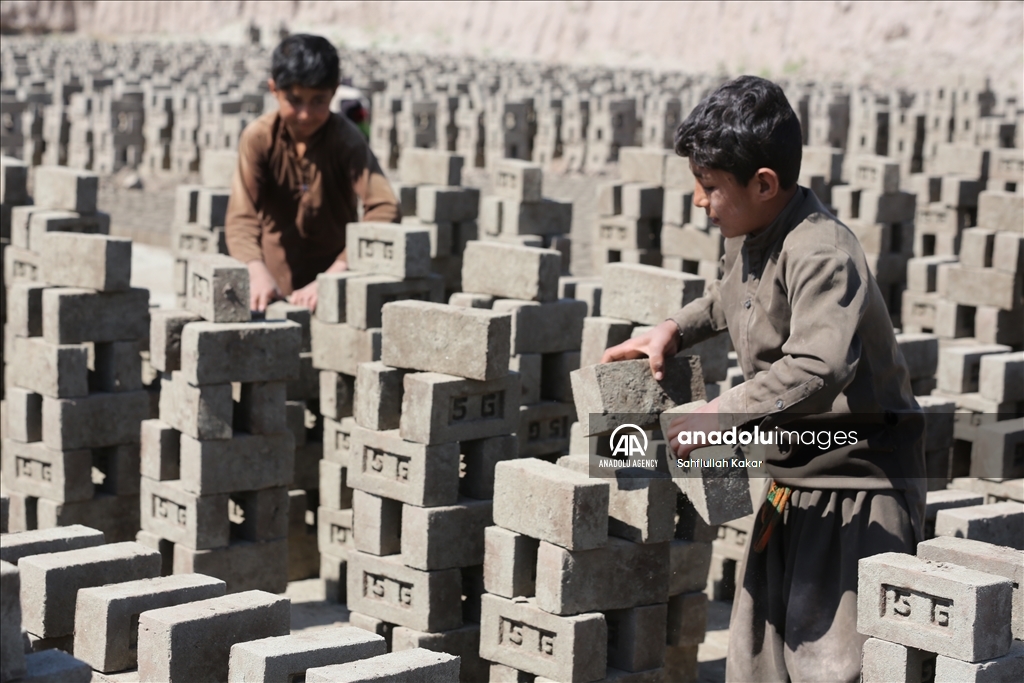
[[777, 205]]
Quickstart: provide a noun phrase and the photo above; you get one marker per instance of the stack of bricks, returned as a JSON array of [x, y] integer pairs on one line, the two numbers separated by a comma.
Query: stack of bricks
[[518, 212], [629, 227], [123, 621], [302, 406], [75, 397], [545, 336], [64, 200], [217, 463], [432, 199], [955, 612], [441, 399], [13, 192], [882, 218], [821, 169], [199, 217]]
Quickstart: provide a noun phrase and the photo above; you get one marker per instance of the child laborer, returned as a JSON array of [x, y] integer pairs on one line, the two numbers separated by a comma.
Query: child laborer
[[301, 170], [816, 346]]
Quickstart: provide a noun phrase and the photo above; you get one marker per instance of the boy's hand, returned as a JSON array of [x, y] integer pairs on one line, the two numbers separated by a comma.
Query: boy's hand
[[703, 419], [262, 288], [305, 296], [656, 344]]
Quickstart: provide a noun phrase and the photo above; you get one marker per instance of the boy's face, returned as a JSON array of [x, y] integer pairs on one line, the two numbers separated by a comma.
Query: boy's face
[[735, 209], [303, 109]]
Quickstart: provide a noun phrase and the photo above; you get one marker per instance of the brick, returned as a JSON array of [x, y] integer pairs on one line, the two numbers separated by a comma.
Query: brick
[[922, 272], [551, 503], [21, 265], [636, 637], [13, 547], [935, 607], [528, 366], [117, 366], [105, 419], [287, 657], [642, 200], [1009, 667], [689, 562], [875, 173], [12, 662], [543, 328], [438, 408], [1001, 377], [30, 225], [959, 367], [60, 187], [521, 181], [335, 492], [380, 523], [384, 464], [260, 408], [282, 310], [982, 557], [946, 499], [160, 450], [603, 393], [415, 666], [190, 239], [573, 582], [692, 243], [116, 516], [609, 198], [640, 165], [215, 353], [462, 642], [244, 565], [646, 294], [71, 316], [519, 635], [337, 434], [976, 245], [218, 288], [641, 503], [430, 167], [466, 342], [107, 617], [332, 295], [165, 327], [171, 512], [510, 563], [921, 353], [506, 270], [91, 261], [470, 300], [193, 641], [367, 295], [25, 309], [35, 470], [510, 219], [204, 412], [383, 587], [446, 204], [55, 665], [687, 616], [342, 347], [378, 391], [599, 334], [307, 386], [999, 523], [337, 392], [264, 514], [244, 463], [50, 583], [981, 286], [54, 370], [400, 251], [1008, 252], [1000, 210], [719, 495], [998, 451], [544, 428], [446, 536], [335, 531], [885, 662], [479, 458], [211, 207]]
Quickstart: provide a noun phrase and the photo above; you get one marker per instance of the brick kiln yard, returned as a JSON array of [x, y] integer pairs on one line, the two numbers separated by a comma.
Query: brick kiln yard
[[398, 484]]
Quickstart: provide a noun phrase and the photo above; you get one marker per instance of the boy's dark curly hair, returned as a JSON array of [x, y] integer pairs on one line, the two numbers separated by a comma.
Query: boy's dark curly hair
[[744, 125], [306, 60]]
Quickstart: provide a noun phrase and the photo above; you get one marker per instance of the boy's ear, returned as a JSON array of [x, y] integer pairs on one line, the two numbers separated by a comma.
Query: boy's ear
[[768, 185], [272, 86]]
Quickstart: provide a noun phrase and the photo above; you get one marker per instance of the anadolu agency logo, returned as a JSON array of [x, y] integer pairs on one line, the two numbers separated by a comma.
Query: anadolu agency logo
[[629, 448]]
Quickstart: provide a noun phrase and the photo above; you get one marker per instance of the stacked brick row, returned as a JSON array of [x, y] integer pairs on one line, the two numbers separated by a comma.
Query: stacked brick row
[[518, 212], [564, 532], [217, 464], [108, 604], [74, 377], [523, 282], [433, 199], [13, 192], [955, 612]]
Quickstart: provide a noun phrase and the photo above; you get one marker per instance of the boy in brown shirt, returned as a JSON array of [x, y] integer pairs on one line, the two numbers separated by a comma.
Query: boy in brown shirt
[[302, 170], [817, 349]]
